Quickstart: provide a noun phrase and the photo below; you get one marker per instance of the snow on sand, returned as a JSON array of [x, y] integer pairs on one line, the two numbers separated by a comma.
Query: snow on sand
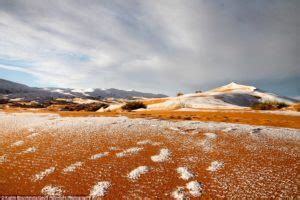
[[215, 166], [163, 156], [99, 155], [185, 174], [18, 143], [194, 188], [136, 173], [100, 189], [30, 150], [73, 167], [130, 151], [43, 174], [50, 190]]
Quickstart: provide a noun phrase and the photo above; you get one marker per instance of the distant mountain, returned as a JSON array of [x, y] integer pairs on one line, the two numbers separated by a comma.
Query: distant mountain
[[231, 96], [15, 90], [9, 87]]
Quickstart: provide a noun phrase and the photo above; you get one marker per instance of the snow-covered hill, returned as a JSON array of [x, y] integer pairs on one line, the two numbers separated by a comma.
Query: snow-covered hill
[[231, 96]]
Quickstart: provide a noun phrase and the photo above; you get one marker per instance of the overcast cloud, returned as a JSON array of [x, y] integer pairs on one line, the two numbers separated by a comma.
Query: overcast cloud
[[153, 46]]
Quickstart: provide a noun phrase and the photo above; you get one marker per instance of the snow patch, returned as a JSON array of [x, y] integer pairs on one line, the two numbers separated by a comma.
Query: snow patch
[[145, 142], [185, 174], [215, 166], [179, 194], [136, 173], [42, 174], [211, 135], [163, 156], [72, 167], [229, 129], [195, 188], [99, 155], [52, 190], [32, 135], [2, 159], [18, 143], [130, 151], [30, 150], [100, 189]]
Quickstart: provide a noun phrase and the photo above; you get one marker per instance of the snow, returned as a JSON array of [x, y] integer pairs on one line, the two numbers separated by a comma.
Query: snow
[[149, 142], [215, 166], [2, 159], [30, 150], [99, 155], [179, 194], [50, 190], [163, 156], [18, 143], [185, 174], [136, 173], [61, 92], [83, 91], [231, 96], [130, 151], [111, 107], [32, 135], [100, 189], [84, 101], [195, 188], [43, 174], [72, 167], [211, 135]]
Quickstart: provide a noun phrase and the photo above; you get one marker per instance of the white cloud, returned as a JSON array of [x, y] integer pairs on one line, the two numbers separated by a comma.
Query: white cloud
[[156, 46]]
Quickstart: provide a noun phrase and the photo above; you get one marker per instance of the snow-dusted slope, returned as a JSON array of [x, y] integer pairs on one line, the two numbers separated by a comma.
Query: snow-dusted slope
[[231, 96]]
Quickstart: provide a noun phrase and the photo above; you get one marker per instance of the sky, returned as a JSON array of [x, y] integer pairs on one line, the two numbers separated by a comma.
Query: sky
[[162, 46]]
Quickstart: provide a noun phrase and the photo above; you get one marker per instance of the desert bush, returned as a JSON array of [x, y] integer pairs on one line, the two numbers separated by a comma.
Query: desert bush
[[92, 107], [4, 101], [133, 105], [179, 94], [269, 105], [198, 91]]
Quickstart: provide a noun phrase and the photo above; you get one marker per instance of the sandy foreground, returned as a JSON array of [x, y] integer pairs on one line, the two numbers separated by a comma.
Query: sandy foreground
[[132, 158]]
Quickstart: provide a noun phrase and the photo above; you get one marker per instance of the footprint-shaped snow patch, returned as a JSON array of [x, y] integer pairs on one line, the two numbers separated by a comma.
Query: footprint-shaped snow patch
[[149, 142], [215, 166], [185, 174], [164, 155], [18, 143], [130, 151], [43, 174], [50, 190], [73, 167], [30, 150], [32, 135], [195, 188], [100, 189], [136, 173], [99, 155], [179, 194]]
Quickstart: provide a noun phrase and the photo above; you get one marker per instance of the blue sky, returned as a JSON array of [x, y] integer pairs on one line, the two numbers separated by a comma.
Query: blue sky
[[152, 46]]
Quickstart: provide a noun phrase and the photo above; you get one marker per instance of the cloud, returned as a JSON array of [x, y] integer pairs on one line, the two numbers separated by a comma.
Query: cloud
[[155, 46]]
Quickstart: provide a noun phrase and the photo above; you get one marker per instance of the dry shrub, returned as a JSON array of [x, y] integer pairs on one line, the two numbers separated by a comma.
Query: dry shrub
[[269, 105], [134, 105]]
